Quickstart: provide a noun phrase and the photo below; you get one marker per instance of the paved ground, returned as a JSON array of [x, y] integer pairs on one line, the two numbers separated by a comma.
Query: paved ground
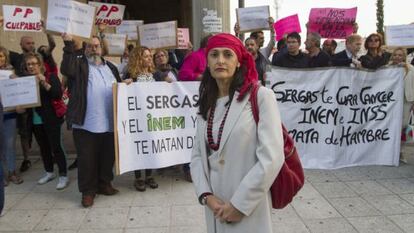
[[360, 199]]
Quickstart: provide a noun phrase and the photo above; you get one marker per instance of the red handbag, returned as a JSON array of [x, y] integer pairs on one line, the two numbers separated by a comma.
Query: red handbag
[[58, 105], [290, 178]]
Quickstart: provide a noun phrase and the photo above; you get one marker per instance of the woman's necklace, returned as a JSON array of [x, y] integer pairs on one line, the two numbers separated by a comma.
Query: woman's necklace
[[210, 139]]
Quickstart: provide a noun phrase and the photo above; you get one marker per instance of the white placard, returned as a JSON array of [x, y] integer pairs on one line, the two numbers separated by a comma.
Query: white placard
[[108, 14], [211, 22], [19, 92], [116, 44], [71, 17], [130, 28], [5, 74], [158, 35], [253, 18], [155, 124], [341, 117], [22, 18], [399, 36]]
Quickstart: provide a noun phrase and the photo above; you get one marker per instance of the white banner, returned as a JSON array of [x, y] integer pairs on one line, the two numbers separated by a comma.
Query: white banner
[[155, 124], [341, 117], [130, 28], [253, 18], [158, 35], [5, 74], [108, 14], [399, 35], [71, 17], [21, 18], [19, 92], [116, 44]]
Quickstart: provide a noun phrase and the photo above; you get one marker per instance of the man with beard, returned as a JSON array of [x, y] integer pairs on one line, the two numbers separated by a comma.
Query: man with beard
[[317, 57], [90, 113], [260, 60]]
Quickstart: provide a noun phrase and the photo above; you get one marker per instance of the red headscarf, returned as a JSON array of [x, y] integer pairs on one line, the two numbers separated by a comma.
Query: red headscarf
[[245, 58]]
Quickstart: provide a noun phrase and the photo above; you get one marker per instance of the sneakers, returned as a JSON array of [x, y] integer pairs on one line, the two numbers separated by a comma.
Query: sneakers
[[46, 178], [62, 183]]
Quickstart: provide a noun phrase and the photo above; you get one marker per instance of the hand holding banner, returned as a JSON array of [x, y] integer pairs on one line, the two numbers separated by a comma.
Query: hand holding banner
[[21, 18], [108, 14], [158, 35], [287, 25], [334, 23], [253, 18]]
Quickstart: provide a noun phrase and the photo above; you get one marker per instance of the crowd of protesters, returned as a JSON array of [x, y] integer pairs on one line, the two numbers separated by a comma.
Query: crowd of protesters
[[88, 84]]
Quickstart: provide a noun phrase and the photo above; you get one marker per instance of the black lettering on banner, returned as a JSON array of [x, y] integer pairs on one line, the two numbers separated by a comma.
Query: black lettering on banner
[[167, 144], [174, 101], [362, 136], [307, 136], [142, 147], [319, 115]]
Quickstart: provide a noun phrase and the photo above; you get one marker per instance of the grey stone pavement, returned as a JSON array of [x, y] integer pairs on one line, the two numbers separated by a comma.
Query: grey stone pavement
[[359, 199]]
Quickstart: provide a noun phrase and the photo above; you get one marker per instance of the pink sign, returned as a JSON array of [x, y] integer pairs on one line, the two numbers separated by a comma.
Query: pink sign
[[183, 35], [287, 25], [333, 23]]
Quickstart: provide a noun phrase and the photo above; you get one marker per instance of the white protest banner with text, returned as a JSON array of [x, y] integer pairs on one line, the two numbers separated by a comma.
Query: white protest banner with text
[[5, 74], [399, 35], [22, 18], [253, 18], [108, 14], [130, 28], [158, 35], [341, 117], [19, 92], [71, 17], [155, 124], [116, 44]]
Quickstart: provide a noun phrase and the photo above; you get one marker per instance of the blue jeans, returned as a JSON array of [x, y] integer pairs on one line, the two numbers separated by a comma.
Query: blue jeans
[[9, 143], [1, 165]]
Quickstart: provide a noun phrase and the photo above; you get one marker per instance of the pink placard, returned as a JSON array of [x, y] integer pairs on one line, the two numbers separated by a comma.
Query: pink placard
[[335, 23], [287, 25], [183, 35]]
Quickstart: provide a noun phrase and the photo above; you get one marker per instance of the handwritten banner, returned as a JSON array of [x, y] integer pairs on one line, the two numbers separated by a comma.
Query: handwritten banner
[[332, 22], [253, 18], [116, 44], [342, 117], [19, 92], [108, 14], [71, 17], [287, 25], [399, 35], [158, 35], [211, 22], [154, 130], [130, 28], [183, 38], [21, 18]]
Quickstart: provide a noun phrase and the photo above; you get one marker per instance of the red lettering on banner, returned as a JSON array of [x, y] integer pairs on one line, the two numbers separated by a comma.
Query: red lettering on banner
[[110, 22], [113, 9], [17, 10], [28, 11], [24, 26], [103, 8]]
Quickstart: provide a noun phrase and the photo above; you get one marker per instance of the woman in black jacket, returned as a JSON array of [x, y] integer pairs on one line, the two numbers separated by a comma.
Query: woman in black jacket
[[46, 123], [375, 57]]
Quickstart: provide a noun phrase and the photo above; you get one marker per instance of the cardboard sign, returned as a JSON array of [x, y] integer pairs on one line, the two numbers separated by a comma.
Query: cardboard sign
[[211, 22], [21, 18], [130, 28], [22, 92], [5, 74], [108, 14], [116, 44], [334, 23], [287, 25], [71, 17], [183, 38], [158, 35], [399, 36], [253, 18]]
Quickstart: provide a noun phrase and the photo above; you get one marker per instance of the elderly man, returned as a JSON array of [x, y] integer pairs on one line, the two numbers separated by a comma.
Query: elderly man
[[317, 57], [260, 60], [349, 56], [90, 112]]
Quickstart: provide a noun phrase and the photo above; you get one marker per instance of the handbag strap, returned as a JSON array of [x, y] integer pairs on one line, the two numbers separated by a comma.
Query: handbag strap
[[253, 102]]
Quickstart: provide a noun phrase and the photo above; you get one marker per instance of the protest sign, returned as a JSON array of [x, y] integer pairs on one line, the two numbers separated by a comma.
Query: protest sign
[[116, 44], [108, 14], [21, 18], [211, 22], [341, 117], [22, 92], [71, 17], [155, 124], [5, 74], [399, 35], [335, 23], [158, 35], [287, 25], [253, 18], [183, 35], [130, 28]]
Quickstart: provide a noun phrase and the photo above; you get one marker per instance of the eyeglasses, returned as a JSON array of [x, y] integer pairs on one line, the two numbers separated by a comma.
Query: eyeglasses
[[159, 56], [32, 64], [374, 40]]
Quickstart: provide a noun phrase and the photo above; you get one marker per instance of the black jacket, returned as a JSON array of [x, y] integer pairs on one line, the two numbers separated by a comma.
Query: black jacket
[[369, 62], [76, 68], [320, 60], [286, 60], [261, 63], [341, 59]]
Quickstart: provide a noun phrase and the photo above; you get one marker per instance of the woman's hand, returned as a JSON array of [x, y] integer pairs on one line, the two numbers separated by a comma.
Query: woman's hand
[[20, 110], [127, 81], [215, 204], [230, 214]]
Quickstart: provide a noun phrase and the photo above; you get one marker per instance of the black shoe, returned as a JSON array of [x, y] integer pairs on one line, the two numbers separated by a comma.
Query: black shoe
[[151, 183], [73, 165], [26, 164]]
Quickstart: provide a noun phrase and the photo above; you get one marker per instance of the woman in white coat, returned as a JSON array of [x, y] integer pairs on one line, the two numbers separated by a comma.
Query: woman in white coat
[[235, 161]]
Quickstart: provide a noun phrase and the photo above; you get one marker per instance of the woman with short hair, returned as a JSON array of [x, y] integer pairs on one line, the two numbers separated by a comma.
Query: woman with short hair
[[376, 56]]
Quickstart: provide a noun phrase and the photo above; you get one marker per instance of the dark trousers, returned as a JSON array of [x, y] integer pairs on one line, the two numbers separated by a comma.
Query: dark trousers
[[49, 138], [96, 157], [148, 173], [1, 165]]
